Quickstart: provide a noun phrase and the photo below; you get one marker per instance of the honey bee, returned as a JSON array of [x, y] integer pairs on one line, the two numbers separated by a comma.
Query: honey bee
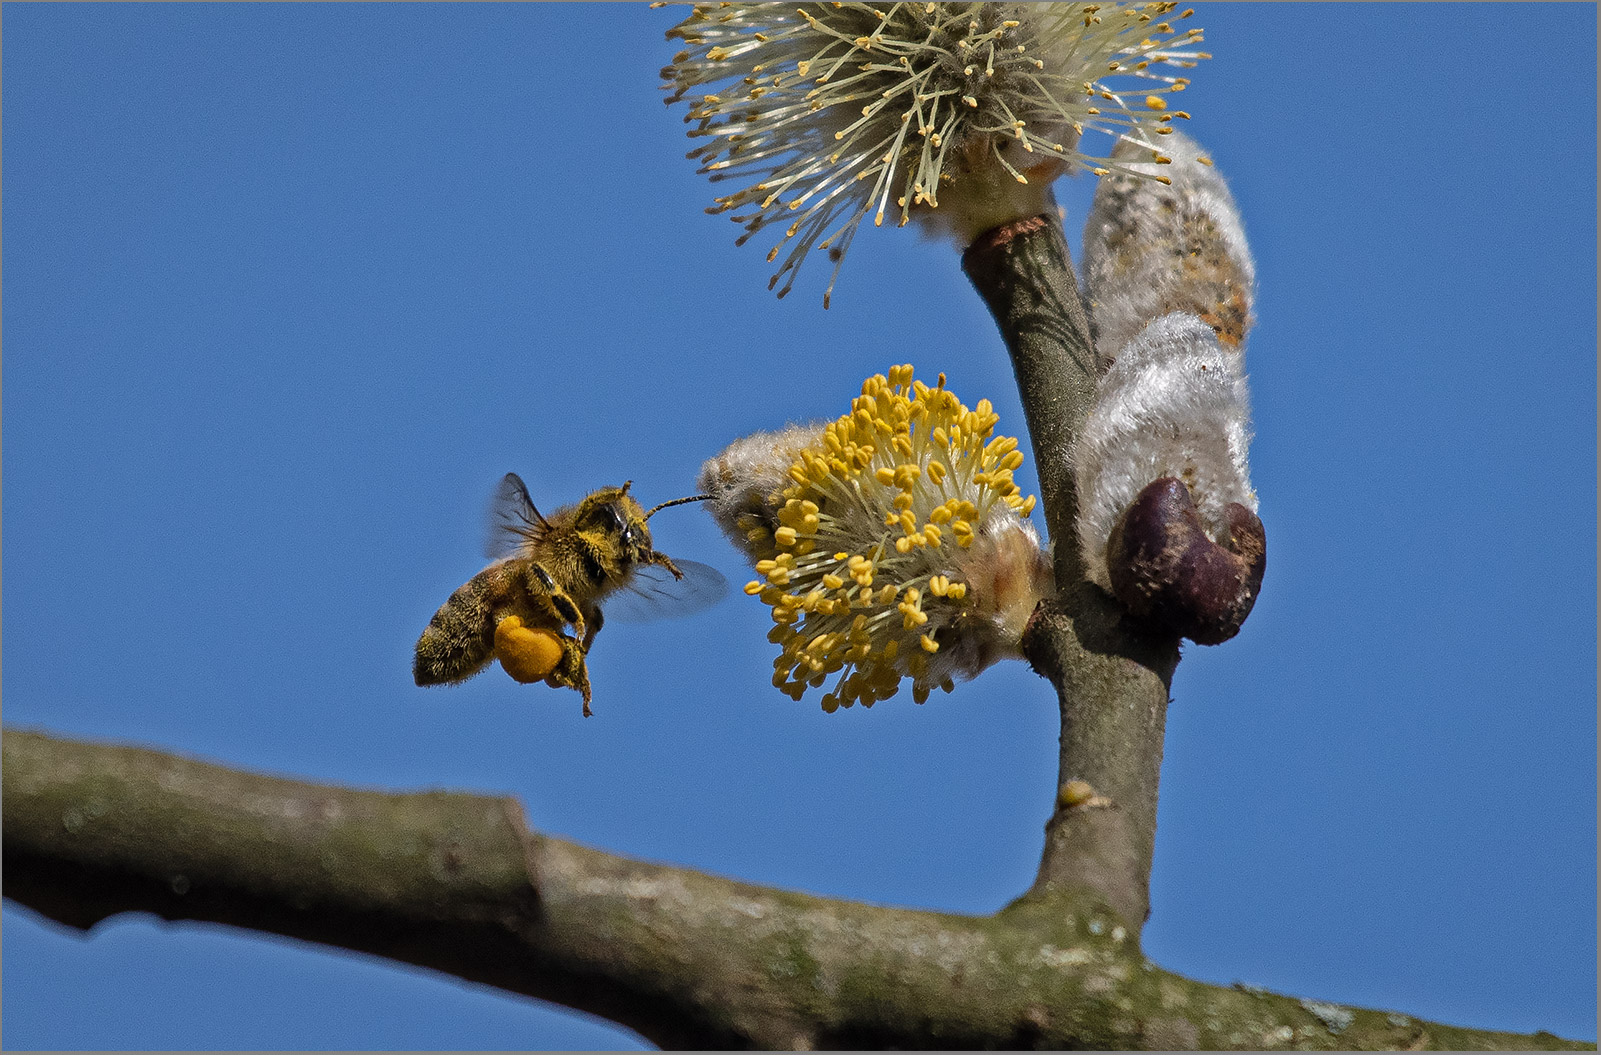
[[552, 573]]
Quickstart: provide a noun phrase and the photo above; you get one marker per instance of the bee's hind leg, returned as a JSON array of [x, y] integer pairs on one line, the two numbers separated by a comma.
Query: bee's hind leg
[[528, 654], [571, 672]]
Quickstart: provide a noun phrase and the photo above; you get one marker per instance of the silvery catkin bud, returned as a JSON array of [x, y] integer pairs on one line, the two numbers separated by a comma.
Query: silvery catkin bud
[[1167, 515], [1174, 404], [1152, 248]]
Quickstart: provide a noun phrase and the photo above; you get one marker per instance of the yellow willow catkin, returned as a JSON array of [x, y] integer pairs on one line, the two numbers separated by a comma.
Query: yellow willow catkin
[[897, 547]]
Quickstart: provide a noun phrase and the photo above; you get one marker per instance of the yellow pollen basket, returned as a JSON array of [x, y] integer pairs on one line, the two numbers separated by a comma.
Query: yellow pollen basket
[[528, 654], [874, 526]]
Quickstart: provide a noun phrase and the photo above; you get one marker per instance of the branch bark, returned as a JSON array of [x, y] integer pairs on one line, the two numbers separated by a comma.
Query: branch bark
[[458, 884], [1111, 679]]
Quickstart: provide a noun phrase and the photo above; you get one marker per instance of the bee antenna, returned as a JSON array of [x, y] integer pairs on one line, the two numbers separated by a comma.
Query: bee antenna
[[676, 502]]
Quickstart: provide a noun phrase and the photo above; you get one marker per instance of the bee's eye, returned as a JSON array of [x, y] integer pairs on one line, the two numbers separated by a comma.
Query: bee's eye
[[620, 524]]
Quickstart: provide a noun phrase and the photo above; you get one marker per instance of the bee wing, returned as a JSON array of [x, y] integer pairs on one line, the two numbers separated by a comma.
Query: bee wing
[[653, 593], [513, 520]]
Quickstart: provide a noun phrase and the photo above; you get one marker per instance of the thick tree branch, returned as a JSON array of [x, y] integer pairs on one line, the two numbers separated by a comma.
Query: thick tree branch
[[457, 883], [1111, 679]]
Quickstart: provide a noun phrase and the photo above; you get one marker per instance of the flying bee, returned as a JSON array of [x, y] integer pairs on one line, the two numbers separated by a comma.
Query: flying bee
[[551, 575]]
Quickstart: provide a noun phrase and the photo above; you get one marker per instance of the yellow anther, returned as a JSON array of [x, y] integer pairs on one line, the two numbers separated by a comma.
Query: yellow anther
[[928, 643], [1000, 446]]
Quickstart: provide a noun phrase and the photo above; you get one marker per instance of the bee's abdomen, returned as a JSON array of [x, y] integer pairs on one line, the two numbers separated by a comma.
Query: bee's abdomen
[[460, 639]]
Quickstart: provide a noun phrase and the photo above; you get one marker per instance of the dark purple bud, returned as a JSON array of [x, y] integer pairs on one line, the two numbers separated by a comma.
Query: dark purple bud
[[1167, 571]]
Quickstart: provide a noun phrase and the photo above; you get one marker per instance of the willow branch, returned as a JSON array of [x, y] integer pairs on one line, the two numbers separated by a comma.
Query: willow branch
[[1111, 681], [457, 883]]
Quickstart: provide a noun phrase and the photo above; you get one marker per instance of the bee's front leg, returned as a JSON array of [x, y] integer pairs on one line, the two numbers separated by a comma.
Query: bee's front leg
[[667, 562]]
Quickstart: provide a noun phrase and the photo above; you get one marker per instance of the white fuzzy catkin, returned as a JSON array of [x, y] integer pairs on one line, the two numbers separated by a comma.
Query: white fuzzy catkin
[[1151, 249], [1173, 403], [745, 475]]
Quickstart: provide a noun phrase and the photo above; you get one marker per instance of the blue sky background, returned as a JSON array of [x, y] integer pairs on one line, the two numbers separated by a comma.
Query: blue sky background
[[288, 288]]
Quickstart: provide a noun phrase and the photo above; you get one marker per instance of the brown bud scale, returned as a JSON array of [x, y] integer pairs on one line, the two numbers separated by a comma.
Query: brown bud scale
[[1168, 572]]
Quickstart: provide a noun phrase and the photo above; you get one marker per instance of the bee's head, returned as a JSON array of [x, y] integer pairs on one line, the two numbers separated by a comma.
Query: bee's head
[[612, 513]]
